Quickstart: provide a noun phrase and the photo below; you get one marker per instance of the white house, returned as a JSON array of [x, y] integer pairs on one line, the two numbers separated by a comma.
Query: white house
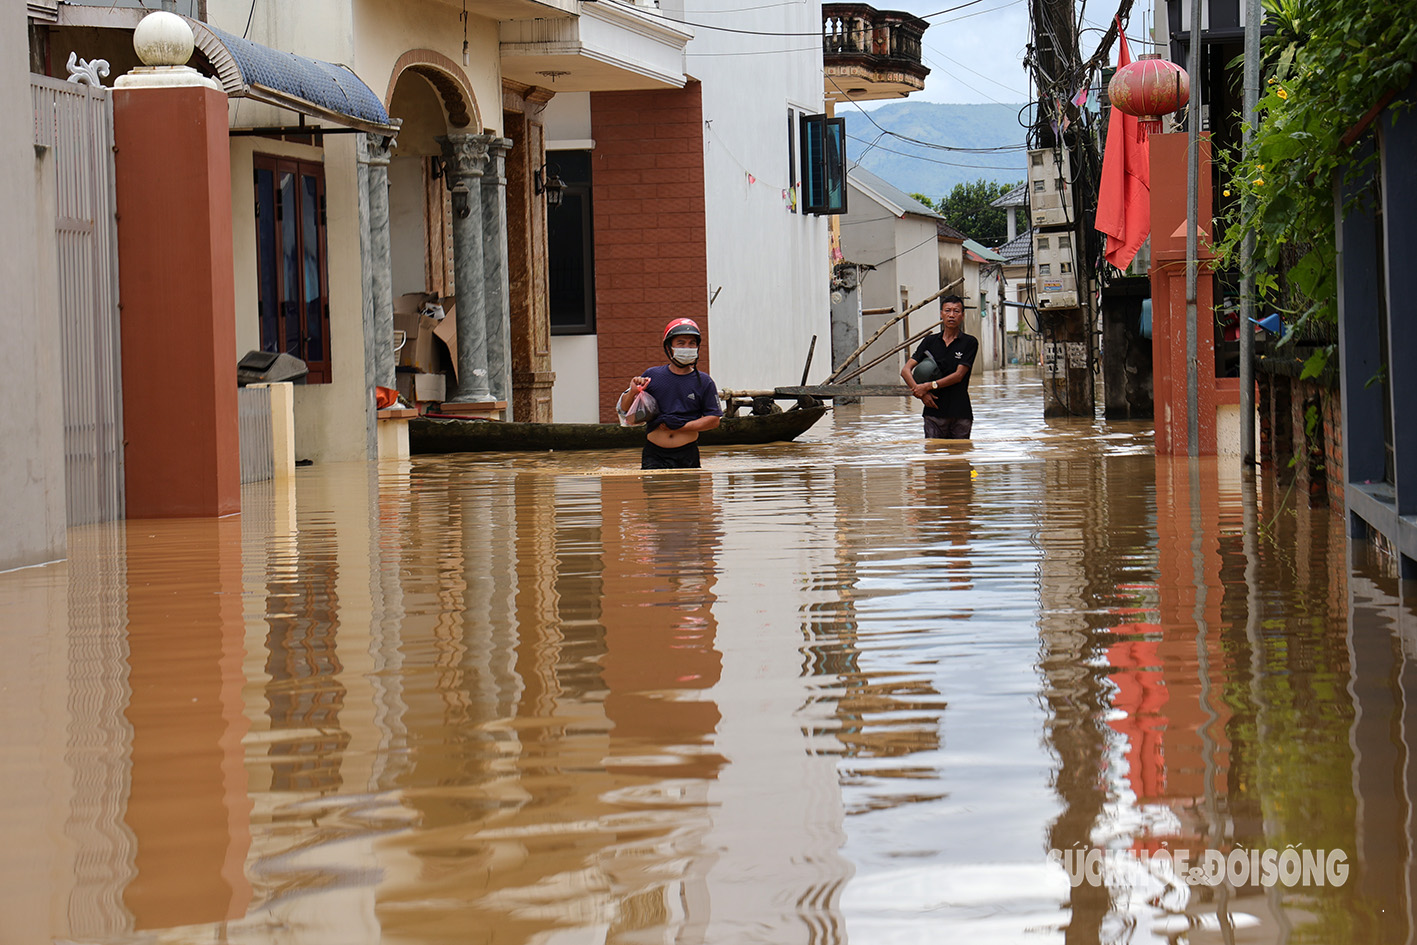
[[691, 207], [896, 238], [984, 295]]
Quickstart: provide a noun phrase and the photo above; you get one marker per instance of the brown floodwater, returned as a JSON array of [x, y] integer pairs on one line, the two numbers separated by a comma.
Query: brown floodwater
[[855, 688]]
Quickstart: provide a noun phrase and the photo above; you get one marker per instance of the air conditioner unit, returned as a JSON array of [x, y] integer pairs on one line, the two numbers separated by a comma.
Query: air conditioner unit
[[1055, 280], [1050, 190]]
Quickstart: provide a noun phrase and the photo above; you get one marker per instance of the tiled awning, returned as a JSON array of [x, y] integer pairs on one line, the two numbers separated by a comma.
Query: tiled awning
[[311, 87]]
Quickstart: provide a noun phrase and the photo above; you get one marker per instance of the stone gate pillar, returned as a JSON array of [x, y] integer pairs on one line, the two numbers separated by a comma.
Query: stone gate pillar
[[178, 330]]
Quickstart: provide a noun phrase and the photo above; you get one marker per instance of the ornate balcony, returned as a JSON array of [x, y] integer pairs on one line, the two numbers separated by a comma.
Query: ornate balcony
[[871, 54]]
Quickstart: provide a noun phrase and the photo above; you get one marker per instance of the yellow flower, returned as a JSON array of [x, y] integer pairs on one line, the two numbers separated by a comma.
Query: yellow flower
[[1225, 192], [1271, 81], [1281, 93], [1258, 181]]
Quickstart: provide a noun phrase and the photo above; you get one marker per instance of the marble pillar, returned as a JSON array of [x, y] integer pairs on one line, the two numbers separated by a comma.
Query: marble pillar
[[379, 270], [465, 158], [366, 296], [496, 295]]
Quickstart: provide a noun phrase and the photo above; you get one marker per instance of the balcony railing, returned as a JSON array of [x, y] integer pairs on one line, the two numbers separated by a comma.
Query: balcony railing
[[859, 30]]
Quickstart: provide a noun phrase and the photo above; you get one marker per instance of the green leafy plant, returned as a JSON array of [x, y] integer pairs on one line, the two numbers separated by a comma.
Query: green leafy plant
[[1329, 62], [966, 208]]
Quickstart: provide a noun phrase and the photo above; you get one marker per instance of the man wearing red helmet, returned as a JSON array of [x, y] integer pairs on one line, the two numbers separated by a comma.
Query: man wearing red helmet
[[687, 399]]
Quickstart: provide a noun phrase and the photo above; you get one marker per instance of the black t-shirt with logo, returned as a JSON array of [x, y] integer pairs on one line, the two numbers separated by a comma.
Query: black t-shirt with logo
[[953, 401]]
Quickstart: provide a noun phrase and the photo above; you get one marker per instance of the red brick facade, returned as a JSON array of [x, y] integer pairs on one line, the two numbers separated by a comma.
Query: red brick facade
[[651, 259]]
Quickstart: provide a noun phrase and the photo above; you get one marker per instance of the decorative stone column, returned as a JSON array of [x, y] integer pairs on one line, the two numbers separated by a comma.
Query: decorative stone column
[[496, 296], [379, 265], [465, 158]]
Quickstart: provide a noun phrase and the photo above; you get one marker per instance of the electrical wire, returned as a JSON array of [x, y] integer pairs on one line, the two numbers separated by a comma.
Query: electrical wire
[[753, 52], [932, 238], [942, 54], [998, 149], [818, 33], [919, 157], [762, 6]]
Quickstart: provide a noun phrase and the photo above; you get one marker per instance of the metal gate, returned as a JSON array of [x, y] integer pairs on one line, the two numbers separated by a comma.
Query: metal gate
[[76, 122], [253, 424]]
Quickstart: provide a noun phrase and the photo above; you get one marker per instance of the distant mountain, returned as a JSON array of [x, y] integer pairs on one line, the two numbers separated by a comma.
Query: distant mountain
[[924, 170]]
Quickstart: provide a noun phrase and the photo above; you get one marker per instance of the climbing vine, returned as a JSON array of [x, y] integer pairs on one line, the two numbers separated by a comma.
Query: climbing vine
[[1328, 64]]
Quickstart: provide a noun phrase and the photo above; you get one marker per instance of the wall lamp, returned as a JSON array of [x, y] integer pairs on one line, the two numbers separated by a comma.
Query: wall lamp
[[462, 205], [544, 180]]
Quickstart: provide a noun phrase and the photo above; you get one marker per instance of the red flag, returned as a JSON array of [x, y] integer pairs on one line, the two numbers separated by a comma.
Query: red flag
[[1124, 197]]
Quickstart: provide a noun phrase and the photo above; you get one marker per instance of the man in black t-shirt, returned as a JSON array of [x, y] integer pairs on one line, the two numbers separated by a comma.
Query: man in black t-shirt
[[948, 414]]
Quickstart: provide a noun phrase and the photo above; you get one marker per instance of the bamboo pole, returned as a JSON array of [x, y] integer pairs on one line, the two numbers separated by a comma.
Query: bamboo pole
[[913, 339], [841, 368]]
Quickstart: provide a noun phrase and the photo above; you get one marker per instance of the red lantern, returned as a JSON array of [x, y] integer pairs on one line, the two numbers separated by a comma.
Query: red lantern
[[1149, 88]]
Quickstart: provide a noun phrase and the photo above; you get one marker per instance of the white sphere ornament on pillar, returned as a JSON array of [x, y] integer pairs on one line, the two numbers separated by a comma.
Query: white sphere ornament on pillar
[[164, 42], [163, 39]]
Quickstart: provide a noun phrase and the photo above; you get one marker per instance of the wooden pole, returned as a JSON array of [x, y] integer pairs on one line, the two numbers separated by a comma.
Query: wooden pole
[[913, 339], [808, 366], [841, 368]]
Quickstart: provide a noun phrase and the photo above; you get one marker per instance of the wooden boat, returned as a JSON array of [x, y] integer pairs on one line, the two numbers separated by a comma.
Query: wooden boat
[[443, 435]]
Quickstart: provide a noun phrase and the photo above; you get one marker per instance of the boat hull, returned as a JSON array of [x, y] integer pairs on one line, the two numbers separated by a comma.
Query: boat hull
[[439, 435]]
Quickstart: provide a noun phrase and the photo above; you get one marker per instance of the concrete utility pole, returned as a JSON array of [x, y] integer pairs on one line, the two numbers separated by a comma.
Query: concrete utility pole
[[1193, 132], [1068, 338], [1253, 15]]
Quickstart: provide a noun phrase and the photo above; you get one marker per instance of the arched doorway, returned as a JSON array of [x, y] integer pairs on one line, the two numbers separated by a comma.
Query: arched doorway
[[429, 95], [465, 220]]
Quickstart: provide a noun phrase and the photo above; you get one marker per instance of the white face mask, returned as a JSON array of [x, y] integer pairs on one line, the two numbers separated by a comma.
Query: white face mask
[[685, 355]]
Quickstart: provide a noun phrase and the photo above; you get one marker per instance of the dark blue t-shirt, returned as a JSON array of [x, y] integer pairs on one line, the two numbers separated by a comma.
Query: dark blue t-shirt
[[681, 397]]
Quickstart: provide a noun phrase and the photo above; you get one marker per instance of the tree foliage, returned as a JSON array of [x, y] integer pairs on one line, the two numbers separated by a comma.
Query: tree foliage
[[1329, 62], [966, 208]]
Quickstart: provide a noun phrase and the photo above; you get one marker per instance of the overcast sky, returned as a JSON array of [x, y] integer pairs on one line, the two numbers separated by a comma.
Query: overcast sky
[[975, 54]]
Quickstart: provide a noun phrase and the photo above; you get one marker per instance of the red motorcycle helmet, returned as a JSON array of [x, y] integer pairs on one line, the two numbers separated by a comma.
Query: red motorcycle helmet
[[681, 326]]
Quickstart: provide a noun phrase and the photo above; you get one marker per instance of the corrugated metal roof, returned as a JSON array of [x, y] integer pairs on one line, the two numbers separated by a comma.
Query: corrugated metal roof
[[983, 252], [897, 200]]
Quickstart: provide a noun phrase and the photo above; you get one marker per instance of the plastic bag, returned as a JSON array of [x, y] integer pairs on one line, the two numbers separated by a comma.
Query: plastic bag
[[642, 409]]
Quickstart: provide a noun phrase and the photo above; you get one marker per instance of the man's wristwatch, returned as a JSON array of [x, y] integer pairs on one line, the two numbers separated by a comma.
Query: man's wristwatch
[[934, 385]]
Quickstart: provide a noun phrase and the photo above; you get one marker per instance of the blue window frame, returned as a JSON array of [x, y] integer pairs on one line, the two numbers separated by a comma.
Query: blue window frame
[[823, 164]]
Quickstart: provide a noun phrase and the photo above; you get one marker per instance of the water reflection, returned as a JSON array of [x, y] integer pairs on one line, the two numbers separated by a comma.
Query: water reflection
[[849, 689]]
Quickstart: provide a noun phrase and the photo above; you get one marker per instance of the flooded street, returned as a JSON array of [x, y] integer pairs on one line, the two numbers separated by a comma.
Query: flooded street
[[854, 688]]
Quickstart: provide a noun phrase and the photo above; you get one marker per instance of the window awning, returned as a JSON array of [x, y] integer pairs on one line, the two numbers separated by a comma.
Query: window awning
[[311, 87]]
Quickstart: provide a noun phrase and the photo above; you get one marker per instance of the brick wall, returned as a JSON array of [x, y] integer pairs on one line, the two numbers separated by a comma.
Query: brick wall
[[651, 261]]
